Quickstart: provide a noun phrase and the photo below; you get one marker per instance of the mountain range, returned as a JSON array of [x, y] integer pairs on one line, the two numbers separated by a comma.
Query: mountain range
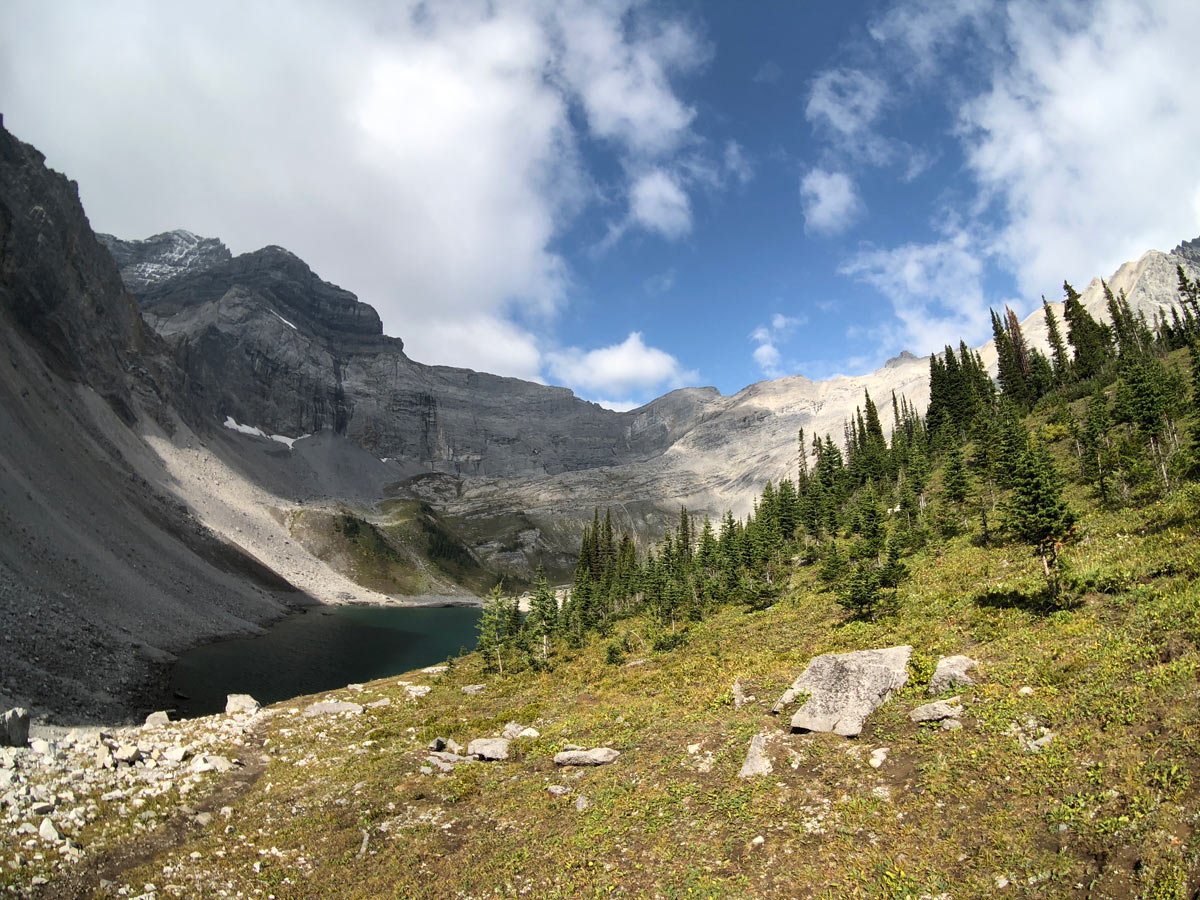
[[196, 442]]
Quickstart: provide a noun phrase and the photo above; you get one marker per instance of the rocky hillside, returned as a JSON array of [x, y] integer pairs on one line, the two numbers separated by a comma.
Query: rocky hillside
[[103, 570]]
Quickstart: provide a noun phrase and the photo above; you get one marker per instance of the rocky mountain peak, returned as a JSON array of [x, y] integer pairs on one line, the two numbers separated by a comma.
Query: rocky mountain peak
[[151, 262], [1189, 250]]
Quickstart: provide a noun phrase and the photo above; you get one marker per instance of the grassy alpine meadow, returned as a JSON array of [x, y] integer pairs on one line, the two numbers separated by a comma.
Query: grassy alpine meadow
[[1108, 807]]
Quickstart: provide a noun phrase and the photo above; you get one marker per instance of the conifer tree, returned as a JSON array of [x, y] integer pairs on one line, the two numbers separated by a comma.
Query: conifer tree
[[1090, 339], [542, 620], [1037, 512], [1059, 360], [956, 483], [494, 626]]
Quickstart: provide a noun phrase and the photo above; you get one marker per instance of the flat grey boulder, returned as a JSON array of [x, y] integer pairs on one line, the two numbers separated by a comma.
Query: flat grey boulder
[[937, 711], [597, 756], [14, 728], [757, 761], [951, 671], [332, 707], [240, 703], [488, 748], [844, 688], [474, 688]]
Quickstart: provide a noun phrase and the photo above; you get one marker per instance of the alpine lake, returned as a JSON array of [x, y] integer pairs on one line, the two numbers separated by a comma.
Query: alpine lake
[[320, 649]]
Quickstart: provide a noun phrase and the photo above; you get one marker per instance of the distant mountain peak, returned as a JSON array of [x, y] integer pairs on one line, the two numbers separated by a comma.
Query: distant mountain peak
[[905, 356], [154, 261]]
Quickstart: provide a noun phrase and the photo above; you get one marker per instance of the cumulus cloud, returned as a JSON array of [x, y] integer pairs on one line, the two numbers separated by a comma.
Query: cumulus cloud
[[424, 155], [1078, 140], [658, 203], [831, 202], [844, 105], [767, 338], [619, 369], [1091, 161], [936, 291]]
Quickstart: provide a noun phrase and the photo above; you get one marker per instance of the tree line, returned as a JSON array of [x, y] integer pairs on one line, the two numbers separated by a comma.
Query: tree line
[[857, 510]]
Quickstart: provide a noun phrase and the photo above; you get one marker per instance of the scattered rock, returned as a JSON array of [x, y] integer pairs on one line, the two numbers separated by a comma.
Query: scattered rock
[[1031, 735], [332, 707], [951, 671], [757, 761], [511, 730], [529, 733], [41, 747], [635, 662], [488, 748], [14, 728], [415, 691], [434, 670], [379, 704], [474, 688], [1026, 691], [937, 711], [951, 725], [175, 754], [127, 753], [845, 688], [597, 756], [558, 790], [47, 832], [437, 744], [582, 803], [156, 719], [758, 840], [42, 808], [878, 757], [240, 703], [453, 746]]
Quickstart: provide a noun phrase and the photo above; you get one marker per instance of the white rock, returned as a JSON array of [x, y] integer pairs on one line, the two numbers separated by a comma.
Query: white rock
[[757, 761], [474, 688], [240, 703], [598, 756], [937, 711], [332, 707], [951, 671], [488, 748], [155, 719], [844, 688], [47, 832]]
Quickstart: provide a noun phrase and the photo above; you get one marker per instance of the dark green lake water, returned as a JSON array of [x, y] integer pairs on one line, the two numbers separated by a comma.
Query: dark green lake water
[[322, 649]]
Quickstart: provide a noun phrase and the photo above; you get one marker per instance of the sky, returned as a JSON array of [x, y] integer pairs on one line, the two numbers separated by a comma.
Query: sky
[[629, 197]]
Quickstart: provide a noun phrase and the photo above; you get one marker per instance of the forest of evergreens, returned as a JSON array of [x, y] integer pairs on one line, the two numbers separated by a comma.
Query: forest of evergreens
[[1112, 395]]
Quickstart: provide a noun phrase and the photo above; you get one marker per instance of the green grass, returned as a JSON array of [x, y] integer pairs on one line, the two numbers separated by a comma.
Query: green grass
[[1109, 809]]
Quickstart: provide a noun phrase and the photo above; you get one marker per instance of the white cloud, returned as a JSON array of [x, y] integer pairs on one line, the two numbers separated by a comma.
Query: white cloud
[[424, 155], [483, 343], [1091, 160], [622, 76], [623, 368], [844, 105], [936, 291], [618, 405], [659, 204], [767, 338], [831, 202]]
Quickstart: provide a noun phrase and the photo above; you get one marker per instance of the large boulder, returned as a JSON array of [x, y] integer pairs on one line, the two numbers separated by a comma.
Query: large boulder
[[597, 756], [844, 688], [951, 671], [488, 748], [240, 703], [14, 728]]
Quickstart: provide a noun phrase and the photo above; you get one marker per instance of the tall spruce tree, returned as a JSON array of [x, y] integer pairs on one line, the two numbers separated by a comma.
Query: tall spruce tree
[[1090, 339], [1059, 359], [542, 620], [1037, 512]]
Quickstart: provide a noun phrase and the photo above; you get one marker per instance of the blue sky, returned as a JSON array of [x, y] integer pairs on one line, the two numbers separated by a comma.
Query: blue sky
[[629, 197]]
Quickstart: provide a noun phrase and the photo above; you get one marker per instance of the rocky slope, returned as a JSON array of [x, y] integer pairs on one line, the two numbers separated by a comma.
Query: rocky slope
[[102, 569]]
